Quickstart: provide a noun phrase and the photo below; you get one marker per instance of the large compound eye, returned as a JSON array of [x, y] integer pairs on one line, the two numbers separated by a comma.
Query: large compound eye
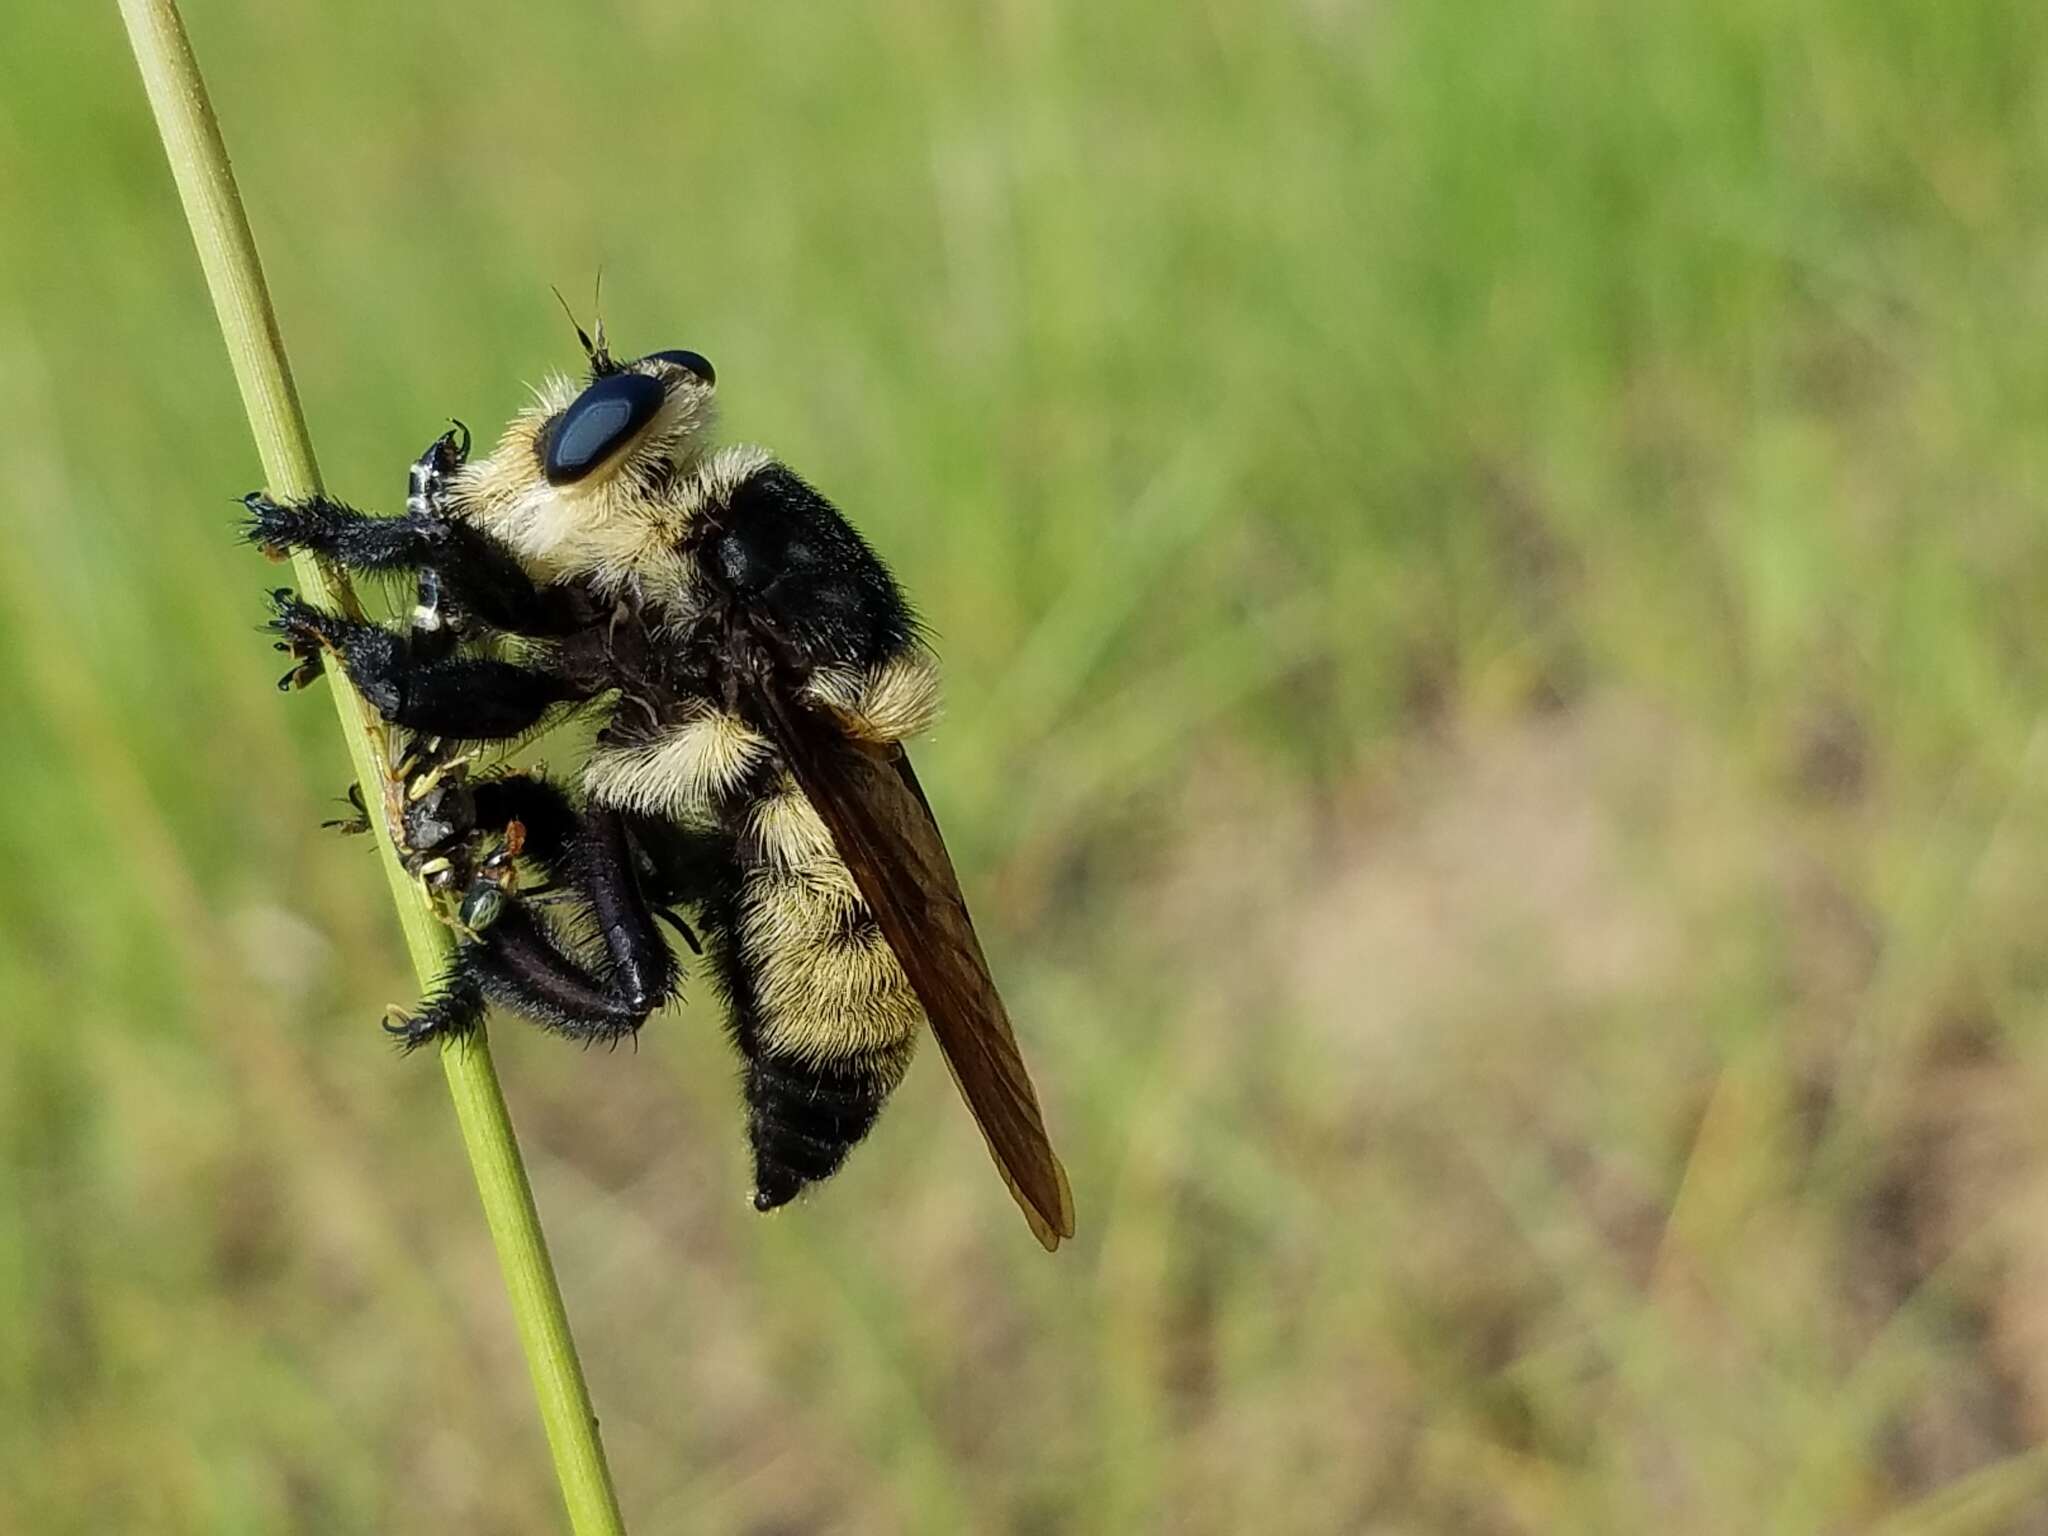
[[692, 362], [598, 422]]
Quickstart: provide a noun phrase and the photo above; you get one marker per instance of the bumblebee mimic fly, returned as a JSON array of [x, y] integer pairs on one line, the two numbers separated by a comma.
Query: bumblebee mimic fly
[[756, 672]]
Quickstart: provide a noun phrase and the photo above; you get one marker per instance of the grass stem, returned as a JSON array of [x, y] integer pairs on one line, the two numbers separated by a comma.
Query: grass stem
[[213, 208]]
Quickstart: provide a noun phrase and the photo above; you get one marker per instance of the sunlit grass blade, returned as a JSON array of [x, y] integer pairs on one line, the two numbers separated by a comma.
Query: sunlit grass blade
[[227, 251]]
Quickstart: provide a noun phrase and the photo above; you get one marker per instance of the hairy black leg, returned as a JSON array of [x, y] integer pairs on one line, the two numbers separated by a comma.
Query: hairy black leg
[[640, 973], [455, 1007], [641, 959], [359, 540], [477, 578], [327, 527], [437, 622], [441, 824], [466, 575], [426, 490], [522, 963], [523, 967], [463, 698], [596, 854]]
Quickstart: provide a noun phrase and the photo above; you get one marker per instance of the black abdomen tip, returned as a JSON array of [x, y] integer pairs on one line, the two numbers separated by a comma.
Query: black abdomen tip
[[802, 1121]]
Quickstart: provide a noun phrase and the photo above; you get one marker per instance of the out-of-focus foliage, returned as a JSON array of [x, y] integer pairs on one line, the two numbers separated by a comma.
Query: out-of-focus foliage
[[1493, 567]]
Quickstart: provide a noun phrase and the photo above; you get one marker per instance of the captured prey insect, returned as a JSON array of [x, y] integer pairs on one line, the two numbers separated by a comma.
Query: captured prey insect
[[757, 672], [439, 824]]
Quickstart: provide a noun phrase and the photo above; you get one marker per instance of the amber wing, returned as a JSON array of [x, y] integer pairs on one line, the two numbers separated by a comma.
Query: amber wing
[[876, 811]]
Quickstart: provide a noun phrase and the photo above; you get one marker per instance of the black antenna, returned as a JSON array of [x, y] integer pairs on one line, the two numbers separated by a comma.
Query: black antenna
[[600, 359]]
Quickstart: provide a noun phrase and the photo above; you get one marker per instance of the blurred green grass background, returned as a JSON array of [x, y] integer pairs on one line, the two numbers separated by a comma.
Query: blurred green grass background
[[1493, 573]]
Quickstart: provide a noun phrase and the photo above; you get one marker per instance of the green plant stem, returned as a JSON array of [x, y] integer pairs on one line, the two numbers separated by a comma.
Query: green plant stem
[[220, 228]]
